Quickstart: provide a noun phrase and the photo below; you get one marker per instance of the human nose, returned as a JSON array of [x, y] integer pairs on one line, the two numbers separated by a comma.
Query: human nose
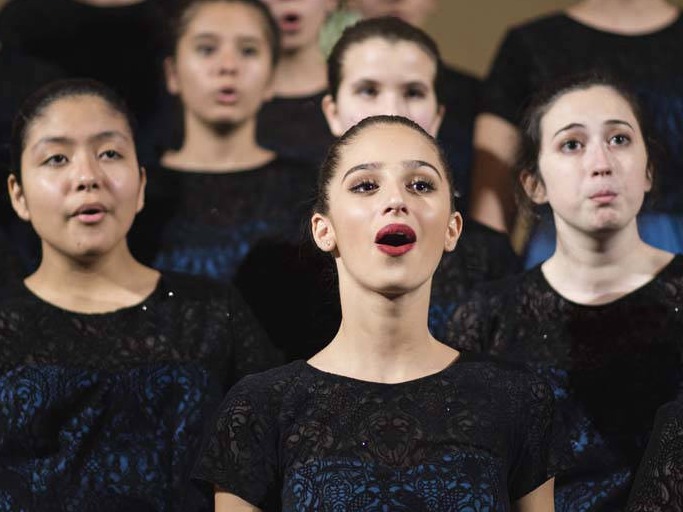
[[394, 105], [599, 161], [395, 201], [227, 62], [88, 175]]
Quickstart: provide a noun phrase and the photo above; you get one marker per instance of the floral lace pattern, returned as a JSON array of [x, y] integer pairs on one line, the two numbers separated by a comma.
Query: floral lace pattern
[[659, 482], [473, 436]]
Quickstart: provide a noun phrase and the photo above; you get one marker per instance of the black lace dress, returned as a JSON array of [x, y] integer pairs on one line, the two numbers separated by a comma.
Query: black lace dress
[[659, 482], [105, 412], [610, 366], [471, 437]]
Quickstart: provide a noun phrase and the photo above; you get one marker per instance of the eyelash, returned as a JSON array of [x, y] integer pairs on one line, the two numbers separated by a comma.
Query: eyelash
[[366, 186], [611, 140], [108, 154]]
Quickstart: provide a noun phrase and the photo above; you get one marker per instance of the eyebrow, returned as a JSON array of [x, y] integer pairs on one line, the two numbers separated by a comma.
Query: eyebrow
[[579, 125], [407, 164], [61, 139]]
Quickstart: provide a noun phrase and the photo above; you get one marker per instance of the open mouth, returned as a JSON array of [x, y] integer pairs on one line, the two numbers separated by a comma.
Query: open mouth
[[290, 22], [395, 239], [227, 95], [90, 213]]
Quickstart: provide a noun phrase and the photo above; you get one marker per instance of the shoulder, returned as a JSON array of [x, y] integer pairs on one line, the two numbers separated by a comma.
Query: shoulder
[[265, 392], [191, 287]]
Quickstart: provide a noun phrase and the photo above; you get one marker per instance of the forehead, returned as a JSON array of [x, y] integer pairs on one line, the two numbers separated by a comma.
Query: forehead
[[76, 117], [388, 144], [225, 17], [591, 106], [384, 58]]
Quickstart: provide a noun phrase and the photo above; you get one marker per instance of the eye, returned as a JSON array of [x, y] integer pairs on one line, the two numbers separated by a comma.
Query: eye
[[363, 187], [205, 49], [55, 160], [368, 90], [571, 146], [249, 51], [111, 154], [421, 186], [620, 140], [415, 92]]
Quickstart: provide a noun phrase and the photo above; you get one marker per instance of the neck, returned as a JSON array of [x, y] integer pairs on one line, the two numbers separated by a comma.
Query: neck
[[301, 72], [629, 17], [103, 284], [384, 338], [600, 269], [220, 149]]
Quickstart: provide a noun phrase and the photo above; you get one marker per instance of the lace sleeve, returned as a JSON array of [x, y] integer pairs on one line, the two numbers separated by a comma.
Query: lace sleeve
[[530, 469], [658, 485], [240, 454]]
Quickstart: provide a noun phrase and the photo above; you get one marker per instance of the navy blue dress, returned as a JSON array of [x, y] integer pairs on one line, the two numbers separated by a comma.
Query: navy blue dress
[[105, 412]]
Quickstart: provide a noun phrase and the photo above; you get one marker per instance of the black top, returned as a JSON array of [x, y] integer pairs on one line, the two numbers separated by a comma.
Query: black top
[[611, 367], [243, 227], [106, 411], [537, 53], [659, 482], [460, 96], [473, 436], [295, 127]]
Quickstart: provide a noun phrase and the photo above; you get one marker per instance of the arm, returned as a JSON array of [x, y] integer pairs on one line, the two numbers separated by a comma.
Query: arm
[[540, 499], [226, 502], [495, 147]]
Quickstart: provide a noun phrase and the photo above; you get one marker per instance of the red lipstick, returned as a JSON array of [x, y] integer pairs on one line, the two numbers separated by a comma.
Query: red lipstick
[[395, 239]]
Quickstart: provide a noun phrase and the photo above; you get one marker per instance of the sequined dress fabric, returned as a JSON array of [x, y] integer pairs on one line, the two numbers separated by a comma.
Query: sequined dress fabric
[[471, 437], [610, 367], [105, 412]]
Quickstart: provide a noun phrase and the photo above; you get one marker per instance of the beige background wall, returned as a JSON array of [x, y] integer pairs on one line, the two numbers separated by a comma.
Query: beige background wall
[[469, 31]]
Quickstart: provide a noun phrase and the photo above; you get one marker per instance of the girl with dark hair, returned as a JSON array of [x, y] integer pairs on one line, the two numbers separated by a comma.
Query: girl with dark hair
[[635, 40], [601, 319], [108, 369], [385, 417], [222, 198], [386, 66]]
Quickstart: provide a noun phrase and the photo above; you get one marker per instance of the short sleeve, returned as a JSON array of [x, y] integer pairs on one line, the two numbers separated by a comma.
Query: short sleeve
[[531, 466], [239, 456], [507, 89], [253, 351]]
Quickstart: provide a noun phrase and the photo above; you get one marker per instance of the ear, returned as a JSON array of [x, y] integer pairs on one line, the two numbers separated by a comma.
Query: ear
[[453, 231], [172, 85], [649, 177], [331, 113], [17, 197], [436, 124], [534, 187], [141, 193], [323, 233]]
